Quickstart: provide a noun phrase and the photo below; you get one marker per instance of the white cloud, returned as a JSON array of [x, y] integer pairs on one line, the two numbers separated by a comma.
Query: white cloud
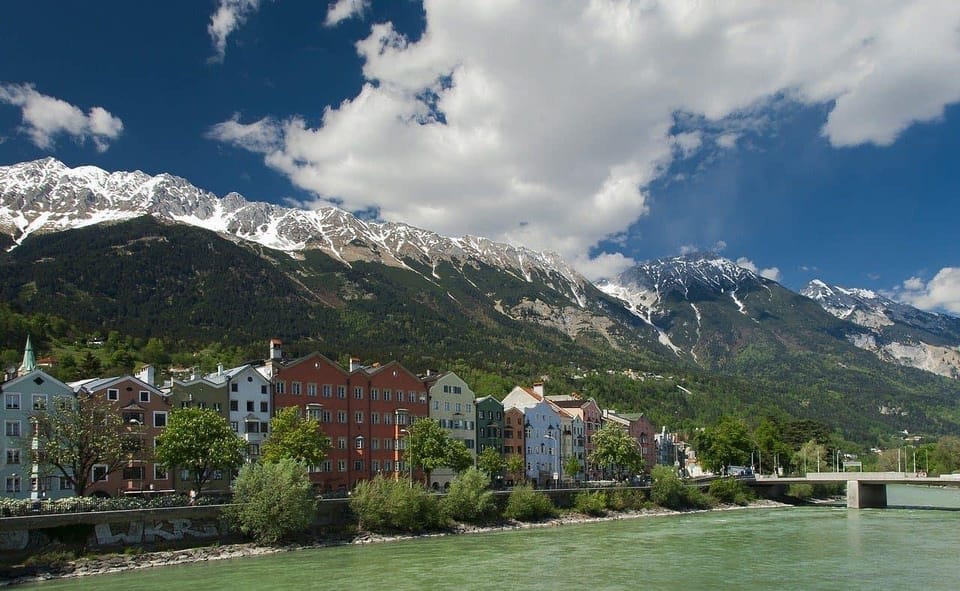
[[940, 293], [689, 249], [45, 117], [344, 9], [563, 113], [720, 246], [771, 273], [229, 16], [260, 136], [603, 266]]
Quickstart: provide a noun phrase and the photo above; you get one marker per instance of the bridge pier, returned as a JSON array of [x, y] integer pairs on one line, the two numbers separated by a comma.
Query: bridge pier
[[866, 496]]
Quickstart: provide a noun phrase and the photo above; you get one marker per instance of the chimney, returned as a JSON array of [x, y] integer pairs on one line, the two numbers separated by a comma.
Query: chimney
[[538, 388], [276, 350], [354, 364], [219, 369], [147, 374]]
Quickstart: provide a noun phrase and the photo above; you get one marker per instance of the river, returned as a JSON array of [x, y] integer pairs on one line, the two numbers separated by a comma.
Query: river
[[802, 548]]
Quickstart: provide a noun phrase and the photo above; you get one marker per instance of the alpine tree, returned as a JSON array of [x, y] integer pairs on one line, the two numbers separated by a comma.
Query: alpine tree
[[295, 437], [74, 437], [724, 444], [201, 441], [616, 451]]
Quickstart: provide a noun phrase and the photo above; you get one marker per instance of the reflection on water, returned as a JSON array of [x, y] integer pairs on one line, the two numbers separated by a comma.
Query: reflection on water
[[807, 548]]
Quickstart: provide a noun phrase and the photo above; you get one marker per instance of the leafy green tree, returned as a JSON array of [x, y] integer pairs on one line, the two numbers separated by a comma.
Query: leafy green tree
[[470, 498], [812, 457], [90, 366], [667, 489], [726, 443], [516, 467], [491, 462], [458, 456], [572, 467], [386, 505], [616, 451], [768, 440], [201, 441], [72, 438], [155, 353], [946, 455], [272, 501], [295, 437], [427, 446]]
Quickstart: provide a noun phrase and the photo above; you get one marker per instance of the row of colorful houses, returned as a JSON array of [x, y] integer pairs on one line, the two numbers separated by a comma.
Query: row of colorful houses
[[364, 410]]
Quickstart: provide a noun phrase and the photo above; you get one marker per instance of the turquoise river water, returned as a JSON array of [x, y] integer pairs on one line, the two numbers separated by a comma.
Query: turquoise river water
[[804, 548]]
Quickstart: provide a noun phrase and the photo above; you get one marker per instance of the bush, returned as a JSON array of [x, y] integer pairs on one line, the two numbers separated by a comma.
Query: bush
[[387, 505], [800, 491], [591, 503], [470, 498], [667, 489], [526, 504], [731, 491], [272, 501], [626, 499]]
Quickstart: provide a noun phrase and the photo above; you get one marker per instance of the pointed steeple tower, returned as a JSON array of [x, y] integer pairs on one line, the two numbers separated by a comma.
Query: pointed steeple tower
[[29, 359]]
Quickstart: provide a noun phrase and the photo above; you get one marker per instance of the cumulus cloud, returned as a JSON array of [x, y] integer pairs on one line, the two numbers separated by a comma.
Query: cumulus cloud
[[229, 16], [45, 117], [550, 135], [940, 293], [344, 9], [260, 136], [771, 273]]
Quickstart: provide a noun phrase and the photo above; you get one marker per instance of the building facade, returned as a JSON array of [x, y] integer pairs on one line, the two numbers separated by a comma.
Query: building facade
[[452, 405]]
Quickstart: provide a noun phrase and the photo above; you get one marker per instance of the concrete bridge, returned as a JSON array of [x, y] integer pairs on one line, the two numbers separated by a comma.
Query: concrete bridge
[[864, 489]]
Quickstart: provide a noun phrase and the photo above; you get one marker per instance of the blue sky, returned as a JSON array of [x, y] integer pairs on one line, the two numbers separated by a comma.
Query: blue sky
[[806, 140]]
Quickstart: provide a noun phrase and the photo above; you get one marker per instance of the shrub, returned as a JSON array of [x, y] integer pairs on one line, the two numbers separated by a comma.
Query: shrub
[[526, 504], [387, 505], [800, 491], [470, 498], [591, 503], [626, 499], [731, 491], [667, 489], [272, 501]]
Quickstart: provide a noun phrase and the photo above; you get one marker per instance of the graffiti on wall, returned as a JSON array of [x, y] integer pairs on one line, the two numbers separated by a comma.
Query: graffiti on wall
[[152, 531]]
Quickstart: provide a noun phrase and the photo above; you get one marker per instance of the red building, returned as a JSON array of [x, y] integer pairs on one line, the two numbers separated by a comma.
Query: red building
[[144, 410], [513, 439], [364, 412]]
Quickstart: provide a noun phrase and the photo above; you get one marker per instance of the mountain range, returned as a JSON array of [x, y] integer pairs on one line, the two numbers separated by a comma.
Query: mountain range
[[156, 256]]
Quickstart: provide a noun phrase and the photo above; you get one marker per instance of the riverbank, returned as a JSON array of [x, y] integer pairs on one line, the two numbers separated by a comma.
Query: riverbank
[[120, 562]]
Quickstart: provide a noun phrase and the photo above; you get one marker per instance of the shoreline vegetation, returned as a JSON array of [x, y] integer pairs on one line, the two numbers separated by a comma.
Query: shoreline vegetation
[[116, 562]]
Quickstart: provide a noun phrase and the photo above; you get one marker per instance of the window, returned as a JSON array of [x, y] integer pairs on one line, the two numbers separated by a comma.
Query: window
[[326, 466], [326, 416], [326, 390], [13, 483], [469, 407], [13, 456], [217, 406], [358, 442], [374, 444], [65, 483], [313, 413], [399, 395], [358, 465], [113, 394], [134, 417], [159, 418], [263, 388], [436, 405], [375, 465], [446, 406], [216, 475], [133, 473], [234, 387], [264, 406], [278, 387], [358, 417], [341, 416], [387, 419], [99, 472], [295, 388], [253, 450], [374, 394], [341, 391], [252, 427], [39, 402], [11, 428], [201, 404], [480, 414], [249, 405], [144, 396], [358, 392], [375, 418], [264, 427], [311, 389], [12, 401], [341, 465], [234, 405], [341, 443], [388, 444], [388, 465], [459, 407], [234, 426], [386, 395]]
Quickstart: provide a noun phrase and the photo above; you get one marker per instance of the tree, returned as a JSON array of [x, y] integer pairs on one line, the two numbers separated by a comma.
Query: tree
[[201, 441], [812, 456], [616, 451], [517, 467], [572, 467], [469, 498], [427, 446], [491, 462], [272, 500], [726, 443], [295, 437], [458, 456], [769, 442], [946, 455], [73, 437]]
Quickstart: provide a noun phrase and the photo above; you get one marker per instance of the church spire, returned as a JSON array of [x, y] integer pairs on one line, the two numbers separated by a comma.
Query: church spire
[[29, 359]]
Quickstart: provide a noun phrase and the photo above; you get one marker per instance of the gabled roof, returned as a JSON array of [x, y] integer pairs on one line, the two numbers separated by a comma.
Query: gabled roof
[[393, 364], [98, 384], [32, 376], [312, 357], [220, 377]]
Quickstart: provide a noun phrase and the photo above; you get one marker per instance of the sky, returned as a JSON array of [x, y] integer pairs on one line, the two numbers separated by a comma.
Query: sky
[[801, 139]]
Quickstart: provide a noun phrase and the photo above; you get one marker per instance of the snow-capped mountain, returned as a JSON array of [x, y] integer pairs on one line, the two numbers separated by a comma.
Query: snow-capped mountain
[[893, 331], [47, 196]]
